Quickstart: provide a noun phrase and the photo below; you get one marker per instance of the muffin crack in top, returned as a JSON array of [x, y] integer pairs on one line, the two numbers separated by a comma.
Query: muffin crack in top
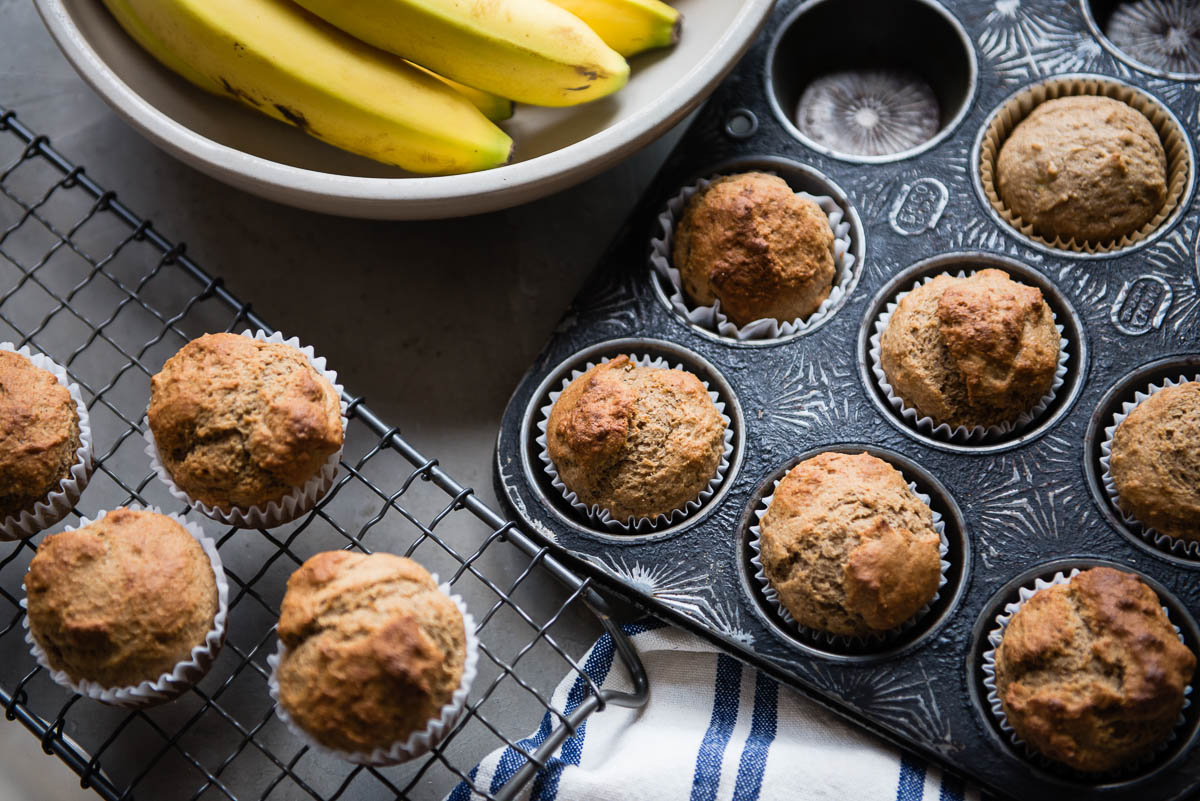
[[374, 649], [1091, 673], [635, 441]]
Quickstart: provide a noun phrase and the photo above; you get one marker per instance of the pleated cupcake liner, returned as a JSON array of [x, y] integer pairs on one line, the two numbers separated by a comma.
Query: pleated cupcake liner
[[844, 640], [58, 503], [1021, 105], [975, 435], [711, 317], [185, 674], [1164, 542], [417, 743], [994, 638], [598, 514], [300, 500]]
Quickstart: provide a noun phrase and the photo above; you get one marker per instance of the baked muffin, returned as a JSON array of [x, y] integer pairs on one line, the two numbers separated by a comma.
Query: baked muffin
[[1091, 673], [636, 441], [39, 434], [848, 547], [752, 243], [122, 600], [1155, 461], [374, 650], [975, 351], [239, 422], [1084, 168]]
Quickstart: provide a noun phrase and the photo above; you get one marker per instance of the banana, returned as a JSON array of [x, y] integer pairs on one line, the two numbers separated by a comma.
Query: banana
[[280, 60], [494, 107], [628, 26], [531, 51]]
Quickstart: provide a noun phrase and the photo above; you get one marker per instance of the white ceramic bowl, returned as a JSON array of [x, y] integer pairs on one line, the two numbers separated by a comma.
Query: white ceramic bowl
[[555, 147]]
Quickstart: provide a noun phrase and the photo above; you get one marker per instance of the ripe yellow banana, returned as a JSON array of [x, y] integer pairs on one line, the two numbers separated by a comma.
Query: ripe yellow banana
[[531, 51], [280, 60], [628, 26], [494, 107]]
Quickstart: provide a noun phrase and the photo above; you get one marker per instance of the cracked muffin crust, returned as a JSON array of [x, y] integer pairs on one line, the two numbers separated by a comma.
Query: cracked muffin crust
[[636, 441], [751, 242], [239, 422], [374, 649], [1083, 167], [122, 600], [1155, 461], [1091, 673], [974, 351], [39, 434], [848, 547]]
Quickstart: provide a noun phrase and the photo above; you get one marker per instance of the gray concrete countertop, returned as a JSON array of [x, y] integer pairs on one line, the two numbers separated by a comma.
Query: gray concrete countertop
[[433, 322]]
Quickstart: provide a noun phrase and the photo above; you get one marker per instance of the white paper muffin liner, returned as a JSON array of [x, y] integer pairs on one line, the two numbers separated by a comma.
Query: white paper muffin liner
[[959, 434], [844, 640], [600, 515], [186, 673], [1165, 542], [419, 742], [301, 499], [994, 637], [58, 504], [711, 317]]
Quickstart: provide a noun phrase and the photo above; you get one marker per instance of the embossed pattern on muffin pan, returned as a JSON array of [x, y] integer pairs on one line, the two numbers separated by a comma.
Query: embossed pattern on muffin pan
[[1027, 498]]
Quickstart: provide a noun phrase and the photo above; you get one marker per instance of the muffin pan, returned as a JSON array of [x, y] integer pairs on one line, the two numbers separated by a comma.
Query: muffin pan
[[1029, 498]]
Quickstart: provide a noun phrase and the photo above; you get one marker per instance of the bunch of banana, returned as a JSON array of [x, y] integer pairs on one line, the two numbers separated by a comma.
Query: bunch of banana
[[413, 83]]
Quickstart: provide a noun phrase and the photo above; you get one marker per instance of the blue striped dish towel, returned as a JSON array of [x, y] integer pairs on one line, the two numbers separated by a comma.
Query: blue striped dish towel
[[713, 730]]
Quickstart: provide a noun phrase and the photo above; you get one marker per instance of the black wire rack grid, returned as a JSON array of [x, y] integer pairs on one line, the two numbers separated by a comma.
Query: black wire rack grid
[[111, 320]]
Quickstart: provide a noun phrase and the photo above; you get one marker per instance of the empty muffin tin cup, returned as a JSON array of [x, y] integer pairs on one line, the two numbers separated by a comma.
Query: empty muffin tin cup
[[598, 514], [58, 503], [996, 635], [1165, 542], [711, 317], [185, 674], [417, 743], [824, 638], [978, 435], [300, 500], [1014, 110]]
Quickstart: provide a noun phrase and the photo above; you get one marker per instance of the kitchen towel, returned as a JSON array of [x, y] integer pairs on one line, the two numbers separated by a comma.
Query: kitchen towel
[[713, 730]]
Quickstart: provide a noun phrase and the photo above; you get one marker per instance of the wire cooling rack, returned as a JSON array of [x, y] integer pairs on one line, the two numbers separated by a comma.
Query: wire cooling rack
[[97, 288]]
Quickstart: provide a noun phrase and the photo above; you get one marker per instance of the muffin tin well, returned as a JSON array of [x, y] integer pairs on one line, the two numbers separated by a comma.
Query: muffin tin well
[[1163, 31], [926, 625], [1179, 151], [1061, 777], [1023, 499], [917, 37], [552, 498], [801, 178], [969, 262], [1114, 399]]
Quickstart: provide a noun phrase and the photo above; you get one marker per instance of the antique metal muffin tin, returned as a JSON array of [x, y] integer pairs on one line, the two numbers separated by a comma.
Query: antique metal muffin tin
[[1025, 505]]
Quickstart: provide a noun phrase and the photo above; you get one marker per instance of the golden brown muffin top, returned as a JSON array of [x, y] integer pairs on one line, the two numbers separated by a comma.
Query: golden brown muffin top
[[750, 241], [239, 422], [374, 649], [1083, 167], [1155, 461], [1091, 673], [848, 546], [637, 441], [122, 600], [39, 434], [974, 351]]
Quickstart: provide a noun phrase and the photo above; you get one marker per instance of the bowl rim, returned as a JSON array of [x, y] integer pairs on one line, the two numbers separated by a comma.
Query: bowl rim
[[409, 197]]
